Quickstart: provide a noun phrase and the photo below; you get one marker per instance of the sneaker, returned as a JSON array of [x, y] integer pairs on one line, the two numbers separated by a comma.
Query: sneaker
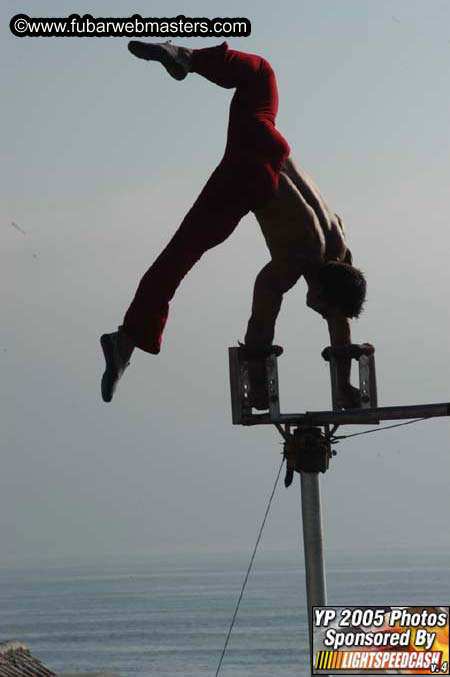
[[174, 59], [115, 365]]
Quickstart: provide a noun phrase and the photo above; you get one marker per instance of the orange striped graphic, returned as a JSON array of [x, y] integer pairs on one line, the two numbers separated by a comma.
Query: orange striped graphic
[[329, 660], [333, 662]]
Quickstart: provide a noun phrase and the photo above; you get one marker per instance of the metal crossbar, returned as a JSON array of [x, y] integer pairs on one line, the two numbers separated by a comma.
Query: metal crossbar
[[352, 416]]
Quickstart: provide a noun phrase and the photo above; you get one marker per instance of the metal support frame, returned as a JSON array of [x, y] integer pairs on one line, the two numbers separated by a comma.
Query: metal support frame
[[308, 450]]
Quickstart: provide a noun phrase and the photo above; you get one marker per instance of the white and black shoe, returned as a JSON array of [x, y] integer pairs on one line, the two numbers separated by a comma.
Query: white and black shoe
[[176, 60], [115, 365]]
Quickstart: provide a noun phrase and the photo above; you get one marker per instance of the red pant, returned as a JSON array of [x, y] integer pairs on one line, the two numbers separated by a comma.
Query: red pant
[[245, 178]]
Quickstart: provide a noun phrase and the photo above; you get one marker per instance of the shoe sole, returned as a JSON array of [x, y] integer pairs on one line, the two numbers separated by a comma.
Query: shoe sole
[[158, 53]]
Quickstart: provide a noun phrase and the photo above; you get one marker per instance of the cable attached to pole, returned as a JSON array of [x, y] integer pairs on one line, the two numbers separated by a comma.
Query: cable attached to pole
[[249, 568], [338, 438]]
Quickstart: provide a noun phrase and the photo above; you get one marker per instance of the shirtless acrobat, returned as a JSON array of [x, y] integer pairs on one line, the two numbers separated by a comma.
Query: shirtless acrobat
[[304, 237]]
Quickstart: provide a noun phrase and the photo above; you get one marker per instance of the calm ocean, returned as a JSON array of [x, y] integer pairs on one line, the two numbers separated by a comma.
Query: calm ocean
[[169, 615]]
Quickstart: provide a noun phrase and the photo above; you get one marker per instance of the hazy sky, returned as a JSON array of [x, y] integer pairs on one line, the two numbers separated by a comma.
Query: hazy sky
[[103, 155]]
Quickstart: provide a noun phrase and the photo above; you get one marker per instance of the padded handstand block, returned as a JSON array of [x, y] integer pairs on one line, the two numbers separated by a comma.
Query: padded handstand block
[[258, 352], [351, 351]]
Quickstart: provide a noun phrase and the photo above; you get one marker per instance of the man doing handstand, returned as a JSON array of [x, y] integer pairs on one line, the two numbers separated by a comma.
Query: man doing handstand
[[255, 174]]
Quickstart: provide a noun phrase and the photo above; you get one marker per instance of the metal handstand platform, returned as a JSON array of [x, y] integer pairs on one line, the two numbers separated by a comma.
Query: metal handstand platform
[[241, 361], [307, 436]]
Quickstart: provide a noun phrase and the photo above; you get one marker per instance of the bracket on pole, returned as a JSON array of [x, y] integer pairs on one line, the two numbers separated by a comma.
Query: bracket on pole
[[306, 450]]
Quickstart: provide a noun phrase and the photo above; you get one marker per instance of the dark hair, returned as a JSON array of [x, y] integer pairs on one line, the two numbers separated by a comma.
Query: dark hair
[[343, 287]]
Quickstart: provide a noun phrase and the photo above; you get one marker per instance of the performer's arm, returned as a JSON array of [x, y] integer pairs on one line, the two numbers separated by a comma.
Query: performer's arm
[[276, 278]]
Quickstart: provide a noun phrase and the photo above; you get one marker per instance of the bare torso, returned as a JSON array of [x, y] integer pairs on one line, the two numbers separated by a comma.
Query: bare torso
[[297, 224], [301, 233]]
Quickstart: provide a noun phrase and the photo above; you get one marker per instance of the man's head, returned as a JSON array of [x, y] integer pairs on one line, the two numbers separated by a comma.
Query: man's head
[[337, 286]]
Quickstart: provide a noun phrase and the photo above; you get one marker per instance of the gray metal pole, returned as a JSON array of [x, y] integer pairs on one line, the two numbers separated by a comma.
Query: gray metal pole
[[316, 591]]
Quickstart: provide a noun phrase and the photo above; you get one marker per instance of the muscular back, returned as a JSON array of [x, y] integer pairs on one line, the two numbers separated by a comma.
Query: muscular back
[[298, 224]]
